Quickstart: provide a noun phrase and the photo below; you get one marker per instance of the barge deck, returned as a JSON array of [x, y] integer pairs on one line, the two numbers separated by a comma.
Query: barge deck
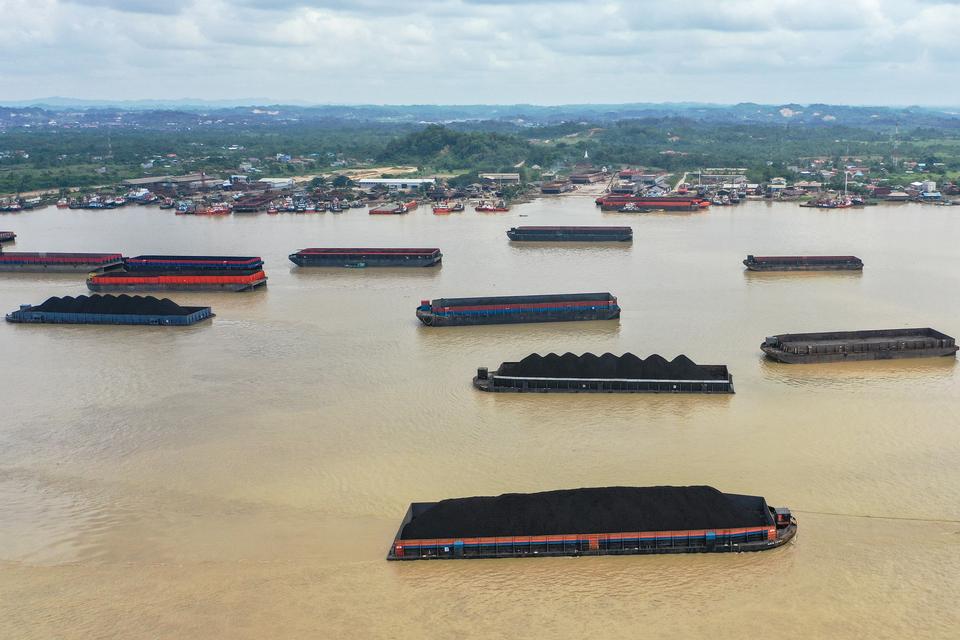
[[840, 346]]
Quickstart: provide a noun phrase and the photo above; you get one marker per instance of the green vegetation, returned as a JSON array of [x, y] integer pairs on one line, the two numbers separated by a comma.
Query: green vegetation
[[61, 158]]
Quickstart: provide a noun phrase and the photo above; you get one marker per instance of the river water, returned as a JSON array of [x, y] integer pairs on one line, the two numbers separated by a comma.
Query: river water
[[244, 477]]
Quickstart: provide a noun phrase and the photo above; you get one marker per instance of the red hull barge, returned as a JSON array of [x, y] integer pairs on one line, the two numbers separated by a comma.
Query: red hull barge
[[59, 262], [176, 282]]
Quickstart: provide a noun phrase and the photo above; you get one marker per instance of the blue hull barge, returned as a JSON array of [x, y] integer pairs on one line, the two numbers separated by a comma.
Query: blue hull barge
[[366, 257], [110, 309], [570, 234], [591, 522], [563, 307], [608, 373], [842, 346]]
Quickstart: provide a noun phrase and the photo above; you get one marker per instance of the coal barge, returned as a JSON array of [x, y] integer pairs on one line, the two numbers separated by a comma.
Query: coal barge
[[591, 522], [608, 373], [366, 257], [7, 236], [59, 262], [109, 309], [571, 234], [803, 263], [445, 312], [840, 346]]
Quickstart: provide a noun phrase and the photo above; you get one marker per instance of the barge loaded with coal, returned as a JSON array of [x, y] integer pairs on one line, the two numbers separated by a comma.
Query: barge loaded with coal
[[608, 373], [803, 263], [591, 522], [109, 309], [59, 262], [570, 234], [564, 307], [7, 236], [366, 257], [840, 346], [183, 273]]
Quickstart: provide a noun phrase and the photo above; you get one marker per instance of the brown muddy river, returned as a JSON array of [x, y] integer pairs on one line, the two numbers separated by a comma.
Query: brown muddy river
[[243, 478]]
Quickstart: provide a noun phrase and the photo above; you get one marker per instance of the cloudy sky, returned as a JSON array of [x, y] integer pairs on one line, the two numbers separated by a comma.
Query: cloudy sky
[[893, 52]]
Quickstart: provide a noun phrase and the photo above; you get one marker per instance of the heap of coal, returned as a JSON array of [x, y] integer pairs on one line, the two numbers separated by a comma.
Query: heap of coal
[[588, 365], [114, 305], [598, 510]]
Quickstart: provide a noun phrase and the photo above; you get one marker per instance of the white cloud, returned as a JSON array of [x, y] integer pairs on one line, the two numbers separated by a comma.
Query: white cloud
[[467, 51]]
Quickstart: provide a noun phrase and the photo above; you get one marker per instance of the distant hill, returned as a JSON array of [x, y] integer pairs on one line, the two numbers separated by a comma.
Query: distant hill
[[160, 112]]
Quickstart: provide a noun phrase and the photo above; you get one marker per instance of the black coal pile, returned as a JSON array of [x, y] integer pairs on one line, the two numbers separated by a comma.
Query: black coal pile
[[597, 510], [115, 305], [608, 365]]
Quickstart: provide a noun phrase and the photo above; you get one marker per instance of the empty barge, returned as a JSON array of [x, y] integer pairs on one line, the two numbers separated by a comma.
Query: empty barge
[[366, 257], [608, 373], [109, 309], [564, 307], [803, 263], [591, 522], [839, 346], [59, 262], [571, 234], [633, 204], [196, 281], [159, 263]]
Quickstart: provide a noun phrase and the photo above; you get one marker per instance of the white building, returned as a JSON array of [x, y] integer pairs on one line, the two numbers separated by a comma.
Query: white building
[[396, 184]]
